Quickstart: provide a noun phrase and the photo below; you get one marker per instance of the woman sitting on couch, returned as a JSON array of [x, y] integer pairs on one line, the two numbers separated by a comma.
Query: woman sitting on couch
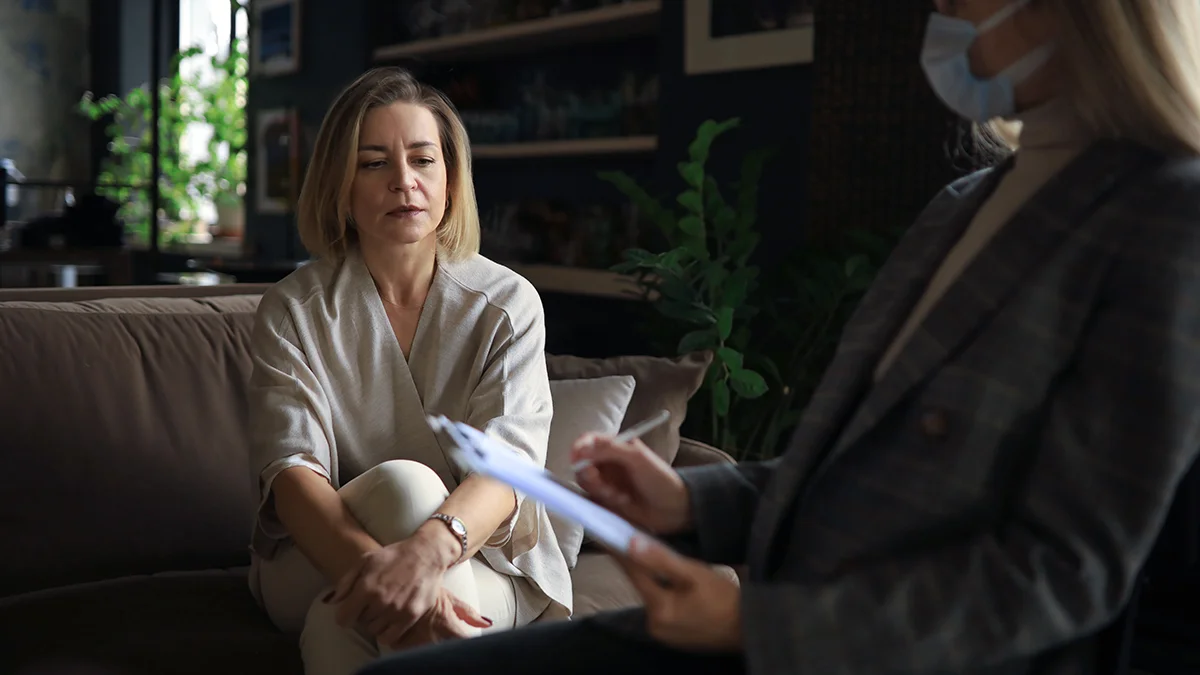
[[370, 537]]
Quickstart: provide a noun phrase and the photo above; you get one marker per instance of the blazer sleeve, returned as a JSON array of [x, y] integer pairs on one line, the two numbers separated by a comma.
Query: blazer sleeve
[[1115, 438], [512, 398], [288, 411], [724, 498]]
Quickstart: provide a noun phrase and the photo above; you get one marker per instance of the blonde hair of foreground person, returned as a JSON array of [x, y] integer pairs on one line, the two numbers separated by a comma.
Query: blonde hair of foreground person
[[324, 221], [1131, 69]]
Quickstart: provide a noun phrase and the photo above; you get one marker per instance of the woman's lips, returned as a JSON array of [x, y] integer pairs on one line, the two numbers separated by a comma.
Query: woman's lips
[[405, 213]]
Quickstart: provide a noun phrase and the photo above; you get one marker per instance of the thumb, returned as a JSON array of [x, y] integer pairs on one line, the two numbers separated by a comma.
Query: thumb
[[345, 585], [468, 614], [665, 565]]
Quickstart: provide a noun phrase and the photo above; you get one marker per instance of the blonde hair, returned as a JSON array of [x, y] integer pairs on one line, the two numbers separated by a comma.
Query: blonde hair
[[323, 218], [1131, 70]]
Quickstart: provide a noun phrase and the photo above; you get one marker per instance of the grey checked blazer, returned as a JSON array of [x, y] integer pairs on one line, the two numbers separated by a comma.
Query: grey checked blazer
[[986, 506]]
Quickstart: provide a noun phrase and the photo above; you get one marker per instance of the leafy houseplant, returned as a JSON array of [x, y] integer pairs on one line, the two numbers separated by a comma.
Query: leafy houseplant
[[773, 334], [806, 302], [704, 281], [125, 173]]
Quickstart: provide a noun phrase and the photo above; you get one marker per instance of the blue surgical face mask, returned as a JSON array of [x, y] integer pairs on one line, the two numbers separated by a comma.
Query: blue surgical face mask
[[948, 68]]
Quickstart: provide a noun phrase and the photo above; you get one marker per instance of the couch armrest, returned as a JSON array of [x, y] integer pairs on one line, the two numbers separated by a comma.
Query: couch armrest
[[695, 453]]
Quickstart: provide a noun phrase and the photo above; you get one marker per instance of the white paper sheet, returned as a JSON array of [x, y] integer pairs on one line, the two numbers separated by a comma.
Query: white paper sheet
[[493, 459]]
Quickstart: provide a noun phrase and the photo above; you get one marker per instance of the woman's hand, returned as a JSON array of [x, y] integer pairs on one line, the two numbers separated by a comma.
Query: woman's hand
[[633, 482], [448, 620], [393, 587], [689, 606]]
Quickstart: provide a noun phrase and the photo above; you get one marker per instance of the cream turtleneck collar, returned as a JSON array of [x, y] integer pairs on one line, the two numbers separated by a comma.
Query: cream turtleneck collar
[[1051, 136]]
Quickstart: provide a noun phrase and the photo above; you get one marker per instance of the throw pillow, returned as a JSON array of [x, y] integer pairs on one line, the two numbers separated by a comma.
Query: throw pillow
[[583, 405], [662, 384]]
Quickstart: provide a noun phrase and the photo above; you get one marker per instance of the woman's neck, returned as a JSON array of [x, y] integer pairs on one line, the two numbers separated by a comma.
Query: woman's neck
[[402, 273], [1053, 124]]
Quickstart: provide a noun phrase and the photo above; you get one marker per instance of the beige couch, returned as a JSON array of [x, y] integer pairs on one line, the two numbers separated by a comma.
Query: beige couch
[[125, 503]]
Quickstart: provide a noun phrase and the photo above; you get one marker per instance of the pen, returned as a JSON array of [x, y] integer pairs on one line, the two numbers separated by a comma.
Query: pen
[[635, 431]]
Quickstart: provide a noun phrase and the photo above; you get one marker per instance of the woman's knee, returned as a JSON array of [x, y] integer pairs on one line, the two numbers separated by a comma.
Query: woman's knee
[[391, 500]]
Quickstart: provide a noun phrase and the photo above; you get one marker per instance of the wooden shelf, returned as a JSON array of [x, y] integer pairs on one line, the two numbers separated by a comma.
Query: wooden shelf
[[567, 148], [579, 281], [593, 25]]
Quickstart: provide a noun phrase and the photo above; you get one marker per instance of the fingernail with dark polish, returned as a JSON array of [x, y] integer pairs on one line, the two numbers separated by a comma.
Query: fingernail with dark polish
[[328, 597], [487, 620]]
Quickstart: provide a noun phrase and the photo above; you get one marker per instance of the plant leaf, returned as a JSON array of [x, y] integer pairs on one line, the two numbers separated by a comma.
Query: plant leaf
[[724, 317], [720, 398], [706, 134], [651, 207], [747, 383], [743, 246], [685, 312], [674, 288], [692, 226], [696, 341], [737, 286], [725, 220], [692, 173], [731, 358], [691, 201]]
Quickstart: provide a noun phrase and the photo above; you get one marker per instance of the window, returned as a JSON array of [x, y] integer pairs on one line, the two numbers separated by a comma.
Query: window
[[215, 110]]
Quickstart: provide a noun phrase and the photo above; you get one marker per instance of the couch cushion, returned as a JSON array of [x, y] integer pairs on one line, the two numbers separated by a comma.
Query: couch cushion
[[200, 622], [580, 406], [125, 429], [662, 384], [600, 585]]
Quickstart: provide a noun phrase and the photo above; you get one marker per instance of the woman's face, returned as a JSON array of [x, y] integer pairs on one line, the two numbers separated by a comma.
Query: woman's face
[[1000, 47], [399, 191]]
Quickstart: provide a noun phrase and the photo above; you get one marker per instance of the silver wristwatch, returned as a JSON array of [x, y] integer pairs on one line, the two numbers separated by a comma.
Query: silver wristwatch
[[458, 528]]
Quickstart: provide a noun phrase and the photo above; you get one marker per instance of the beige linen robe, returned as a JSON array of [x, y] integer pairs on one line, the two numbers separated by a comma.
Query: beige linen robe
[[331, 390]]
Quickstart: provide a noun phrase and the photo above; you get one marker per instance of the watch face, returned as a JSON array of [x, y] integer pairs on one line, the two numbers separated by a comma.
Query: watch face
[[457, 526]]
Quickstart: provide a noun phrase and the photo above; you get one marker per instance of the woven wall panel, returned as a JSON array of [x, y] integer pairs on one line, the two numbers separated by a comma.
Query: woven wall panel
[[881, 141]]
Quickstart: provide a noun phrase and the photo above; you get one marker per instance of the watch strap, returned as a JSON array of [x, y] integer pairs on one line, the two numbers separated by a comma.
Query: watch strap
[[457, 528]]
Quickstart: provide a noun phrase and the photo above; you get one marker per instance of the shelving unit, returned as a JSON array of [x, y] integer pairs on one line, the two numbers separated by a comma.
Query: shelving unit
[[570, 147], [579, 281], [614, 23], [594, 25]]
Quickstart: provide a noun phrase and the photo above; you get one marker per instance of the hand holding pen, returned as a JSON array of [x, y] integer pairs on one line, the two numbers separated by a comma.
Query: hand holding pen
[[621, 474]]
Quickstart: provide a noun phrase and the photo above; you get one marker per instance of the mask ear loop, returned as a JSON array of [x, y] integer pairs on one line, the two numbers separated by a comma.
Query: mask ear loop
[[1027, 65], [1001, 16]]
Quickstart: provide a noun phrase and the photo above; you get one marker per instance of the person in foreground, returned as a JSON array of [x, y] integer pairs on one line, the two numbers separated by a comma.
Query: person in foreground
[[370, 537], [990, 456]]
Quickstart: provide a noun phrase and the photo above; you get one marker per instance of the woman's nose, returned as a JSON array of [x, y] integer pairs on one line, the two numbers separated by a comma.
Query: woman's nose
[[403, 179]]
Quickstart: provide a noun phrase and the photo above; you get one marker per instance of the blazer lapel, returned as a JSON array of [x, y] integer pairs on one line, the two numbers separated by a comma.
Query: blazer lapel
[[864, 338], [988, 281]]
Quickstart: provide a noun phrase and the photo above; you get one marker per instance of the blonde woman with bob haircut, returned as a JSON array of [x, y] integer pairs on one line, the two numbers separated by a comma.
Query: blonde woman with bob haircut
[[979, 478], [369, 537]]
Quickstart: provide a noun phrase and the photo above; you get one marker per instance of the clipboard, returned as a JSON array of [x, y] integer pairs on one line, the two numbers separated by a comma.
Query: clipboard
[[494, 459]]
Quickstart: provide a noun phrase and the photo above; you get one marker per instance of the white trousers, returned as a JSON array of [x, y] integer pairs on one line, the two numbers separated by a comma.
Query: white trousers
[[390, 501]]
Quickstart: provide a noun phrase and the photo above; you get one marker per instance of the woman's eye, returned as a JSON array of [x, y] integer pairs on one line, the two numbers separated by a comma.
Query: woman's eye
[[423, 161], [373, 164]]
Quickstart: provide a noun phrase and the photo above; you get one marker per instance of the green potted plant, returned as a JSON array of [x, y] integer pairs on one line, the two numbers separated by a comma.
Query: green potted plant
[[772, 334], [183, 183], [704, 282]]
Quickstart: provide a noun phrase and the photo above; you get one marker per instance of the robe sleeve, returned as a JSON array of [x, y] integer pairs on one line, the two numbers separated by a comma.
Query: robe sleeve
[[512, 399], [289, 413]]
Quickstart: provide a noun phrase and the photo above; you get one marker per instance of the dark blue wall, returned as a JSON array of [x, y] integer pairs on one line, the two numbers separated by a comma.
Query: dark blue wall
[[774, 105]]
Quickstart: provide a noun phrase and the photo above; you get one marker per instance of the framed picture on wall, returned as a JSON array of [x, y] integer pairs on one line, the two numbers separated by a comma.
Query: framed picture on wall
[[277, 163], [274, 37], [724, 35]]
